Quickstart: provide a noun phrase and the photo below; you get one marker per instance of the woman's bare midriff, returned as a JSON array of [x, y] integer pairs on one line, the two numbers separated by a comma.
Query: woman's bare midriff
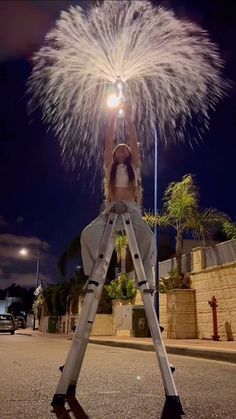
[[123, 194]]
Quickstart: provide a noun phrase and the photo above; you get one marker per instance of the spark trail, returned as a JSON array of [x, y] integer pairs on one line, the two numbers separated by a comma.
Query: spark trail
[[170, 68]]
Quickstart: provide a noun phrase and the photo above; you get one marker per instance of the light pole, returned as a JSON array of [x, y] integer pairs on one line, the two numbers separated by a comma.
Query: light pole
[[26, 252], [156, 293]]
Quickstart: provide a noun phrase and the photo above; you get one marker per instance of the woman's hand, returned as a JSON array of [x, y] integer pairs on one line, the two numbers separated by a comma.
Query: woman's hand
[[127, 106], [113, 113]]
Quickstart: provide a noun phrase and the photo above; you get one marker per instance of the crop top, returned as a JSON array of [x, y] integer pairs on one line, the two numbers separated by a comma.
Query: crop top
[[122, 177]]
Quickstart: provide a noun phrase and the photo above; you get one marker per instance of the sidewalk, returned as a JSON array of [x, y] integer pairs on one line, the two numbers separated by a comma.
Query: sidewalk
[[220, 351], [209, 349]]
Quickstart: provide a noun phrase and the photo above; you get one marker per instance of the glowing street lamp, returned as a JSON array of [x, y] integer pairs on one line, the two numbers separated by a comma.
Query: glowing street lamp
[[26, 252], [23, 252]]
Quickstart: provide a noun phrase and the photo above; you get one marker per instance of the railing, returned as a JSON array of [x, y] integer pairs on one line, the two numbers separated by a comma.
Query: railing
[[220, 254], [168, 265], [214, 256]]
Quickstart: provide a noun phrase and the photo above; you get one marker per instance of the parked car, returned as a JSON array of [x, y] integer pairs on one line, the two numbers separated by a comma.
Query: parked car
[[7, 323], [20, 322]]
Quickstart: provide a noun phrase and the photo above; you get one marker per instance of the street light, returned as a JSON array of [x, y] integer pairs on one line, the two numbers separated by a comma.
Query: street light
[[26, 252], [156, 293], [116, 99]]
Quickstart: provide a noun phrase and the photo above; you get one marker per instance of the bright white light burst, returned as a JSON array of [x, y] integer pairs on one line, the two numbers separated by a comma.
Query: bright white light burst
[[169, 67], [113, 101]]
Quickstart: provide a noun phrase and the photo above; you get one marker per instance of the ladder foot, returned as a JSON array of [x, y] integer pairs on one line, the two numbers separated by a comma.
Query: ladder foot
[[71, 390], [172, 408], [172, 368], [58, 400]]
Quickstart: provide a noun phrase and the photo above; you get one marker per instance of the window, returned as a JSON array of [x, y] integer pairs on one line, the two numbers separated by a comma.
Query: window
[[6, 317]]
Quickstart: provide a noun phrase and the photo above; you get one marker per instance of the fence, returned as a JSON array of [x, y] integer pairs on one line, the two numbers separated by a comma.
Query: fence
[[220, 254], [168, 265], [217, 255]]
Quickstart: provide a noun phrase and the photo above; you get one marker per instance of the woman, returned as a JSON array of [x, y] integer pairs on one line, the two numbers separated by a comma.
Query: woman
[[122, 183]]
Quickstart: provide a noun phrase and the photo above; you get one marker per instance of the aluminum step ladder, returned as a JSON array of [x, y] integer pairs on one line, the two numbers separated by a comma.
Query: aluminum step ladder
[[71, 369]]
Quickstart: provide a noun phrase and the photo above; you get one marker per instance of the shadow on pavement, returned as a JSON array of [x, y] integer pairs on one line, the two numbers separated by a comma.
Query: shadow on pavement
[[75, 410]]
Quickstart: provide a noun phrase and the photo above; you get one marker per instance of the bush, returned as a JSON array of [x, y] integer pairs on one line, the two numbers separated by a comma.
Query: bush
[[174, 281], [55, 297], [105, 303], [122, 288]]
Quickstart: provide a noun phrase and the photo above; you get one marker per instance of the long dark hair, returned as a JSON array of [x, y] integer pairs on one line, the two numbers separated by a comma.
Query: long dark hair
[[130, 171], [109, 182]]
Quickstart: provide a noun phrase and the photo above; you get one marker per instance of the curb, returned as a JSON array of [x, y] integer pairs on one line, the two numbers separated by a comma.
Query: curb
[[225, 355], [213, 354]]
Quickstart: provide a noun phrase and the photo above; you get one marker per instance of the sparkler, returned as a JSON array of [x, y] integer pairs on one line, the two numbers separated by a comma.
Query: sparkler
[[169, 67]]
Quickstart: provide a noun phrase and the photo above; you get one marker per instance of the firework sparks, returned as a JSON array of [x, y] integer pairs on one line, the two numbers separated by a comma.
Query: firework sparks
[[169, 67]]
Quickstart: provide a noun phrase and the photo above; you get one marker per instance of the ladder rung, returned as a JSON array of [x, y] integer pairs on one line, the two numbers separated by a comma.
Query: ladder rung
[[149, 291], [142, 283], [93, 283]]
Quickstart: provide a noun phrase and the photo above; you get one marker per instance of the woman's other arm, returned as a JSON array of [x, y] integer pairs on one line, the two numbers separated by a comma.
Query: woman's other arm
[[108, 153], [132, 134]]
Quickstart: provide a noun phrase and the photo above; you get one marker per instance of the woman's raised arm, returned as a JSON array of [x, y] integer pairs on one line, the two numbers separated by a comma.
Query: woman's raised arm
[[132, 134], [108, 152]]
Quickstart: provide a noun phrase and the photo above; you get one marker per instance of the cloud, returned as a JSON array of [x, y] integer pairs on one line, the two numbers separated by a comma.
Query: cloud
[[24, 24], [10, 245], [2, 221], [21, 270], [23, 279], [19, 219], [22, 27]]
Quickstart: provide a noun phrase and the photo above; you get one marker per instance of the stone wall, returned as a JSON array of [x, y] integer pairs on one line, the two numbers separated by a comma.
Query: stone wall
[[181, 314], [220, 282], [163, 313], [178, 314], [103, 324], [138, 299]]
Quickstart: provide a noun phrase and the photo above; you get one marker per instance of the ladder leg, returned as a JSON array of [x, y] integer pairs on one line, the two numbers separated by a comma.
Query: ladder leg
[[75, 356], [71, 369], [172, 398], [86, 335]]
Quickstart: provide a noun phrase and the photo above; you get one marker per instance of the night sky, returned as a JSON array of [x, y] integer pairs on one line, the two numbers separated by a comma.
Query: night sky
[[44, 207]]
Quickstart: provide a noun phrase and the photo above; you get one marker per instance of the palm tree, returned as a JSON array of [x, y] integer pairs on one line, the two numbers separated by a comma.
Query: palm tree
[[181, 212], [229, 229], [124, 286], [74, 251], [121, 248]]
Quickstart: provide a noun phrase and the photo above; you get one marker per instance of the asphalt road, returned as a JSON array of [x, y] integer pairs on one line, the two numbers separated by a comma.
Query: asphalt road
[[114, 382]]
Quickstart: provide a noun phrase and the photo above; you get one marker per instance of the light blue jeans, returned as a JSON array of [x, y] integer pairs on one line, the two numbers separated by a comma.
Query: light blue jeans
[[92, 234]]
